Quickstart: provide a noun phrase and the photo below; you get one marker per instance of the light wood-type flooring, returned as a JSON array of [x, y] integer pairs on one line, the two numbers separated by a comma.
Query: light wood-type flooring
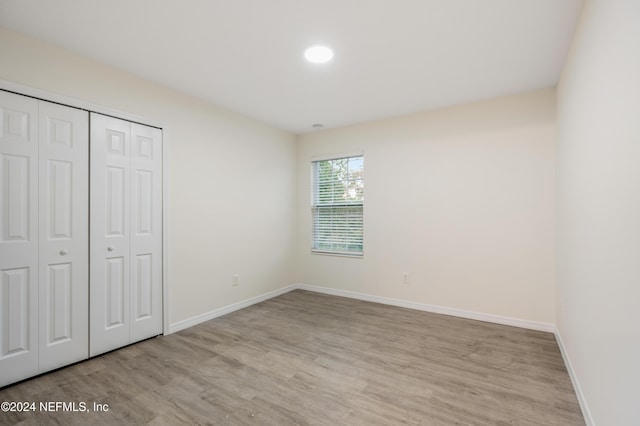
[[307, 358]]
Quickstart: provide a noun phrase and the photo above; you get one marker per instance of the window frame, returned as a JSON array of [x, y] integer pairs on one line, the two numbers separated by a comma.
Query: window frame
[[316, 207]]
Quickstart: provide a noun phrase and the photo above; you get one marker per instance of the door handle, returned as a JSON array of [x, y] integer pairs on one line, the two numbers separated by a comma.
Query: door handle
[[64, 252], [111, 248]]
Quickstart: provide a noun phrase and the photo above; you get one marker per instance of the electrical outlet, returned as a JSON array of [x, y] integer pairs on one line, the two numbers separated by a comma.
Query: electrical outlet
[[405, 278], [235, 280]]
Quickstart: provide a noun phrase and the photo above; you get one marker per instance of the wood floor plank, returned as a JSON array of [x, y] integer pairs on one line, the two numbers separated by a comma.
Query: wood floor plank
[[311, 359]]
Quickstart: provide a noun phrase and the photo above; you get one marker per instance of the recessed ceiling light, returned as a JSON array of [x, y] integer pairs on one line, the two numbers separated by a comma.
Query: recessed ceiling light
[[318, 54]]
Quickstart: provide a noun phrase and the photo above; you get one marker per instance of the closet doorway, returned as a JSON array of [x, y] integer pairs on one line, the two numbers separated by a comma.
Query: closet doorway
[[81, 234]]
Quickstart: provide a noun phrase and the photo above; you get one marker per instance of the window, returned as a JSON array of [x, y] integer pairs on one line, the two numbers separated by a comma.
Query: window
[[337, 203]]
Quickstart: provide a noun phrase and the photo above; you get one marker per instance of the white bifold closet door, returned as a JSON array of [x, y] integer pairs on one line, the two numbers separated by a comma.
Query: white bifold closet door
[[64, 236], [43, 236], [126, 233]]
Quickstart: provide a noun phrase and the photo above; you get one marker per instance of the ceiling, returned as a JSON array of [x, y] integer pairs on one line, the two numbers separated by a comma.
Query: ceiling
[[392, 57]]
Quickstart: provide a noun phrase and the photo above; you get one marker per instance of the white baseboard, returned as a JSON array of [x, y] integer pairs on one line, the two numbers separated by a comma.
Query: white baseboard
[[190, 322], [586, 413], [497, 319]]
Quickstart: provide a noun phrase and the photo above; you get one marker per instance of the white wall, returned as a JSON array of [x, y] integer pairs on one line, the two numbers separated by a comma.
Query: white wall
[[462, 199], [231, 179], [599, 210]]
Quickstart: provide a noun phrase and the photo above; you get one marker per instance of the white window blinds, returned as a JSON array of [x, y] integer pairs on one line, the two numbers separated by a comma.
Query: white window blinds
[[337, 204]]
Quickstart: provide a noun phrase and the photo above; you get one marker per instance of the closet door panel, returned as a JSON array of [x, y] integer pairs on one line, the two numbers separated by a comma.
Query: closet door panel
[[110, 234], [64, 235], [18, 237], [146, 232]]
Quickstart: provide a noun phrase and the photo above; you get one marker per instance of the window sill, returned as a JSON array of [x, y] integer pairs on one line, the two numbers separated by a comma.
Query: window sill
[[338, 254]]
